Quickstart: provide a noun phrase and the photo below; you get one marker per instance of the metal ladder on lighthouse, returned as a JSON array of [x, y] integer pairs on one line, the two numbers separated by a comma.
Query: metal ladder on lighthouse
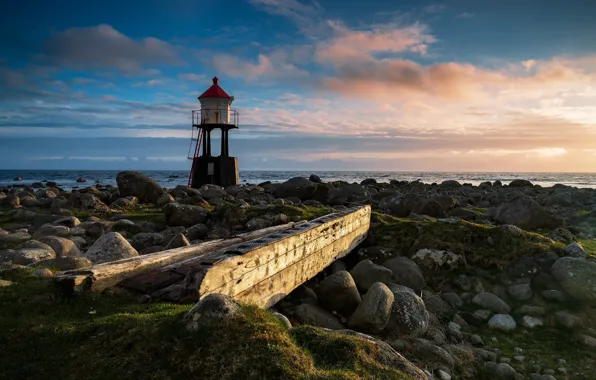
[[197, 149]]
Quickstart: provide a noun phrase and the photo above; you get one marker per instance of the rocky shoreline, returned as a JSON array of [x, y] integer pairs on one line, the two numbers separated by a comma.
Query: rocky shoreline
[[454, 281]]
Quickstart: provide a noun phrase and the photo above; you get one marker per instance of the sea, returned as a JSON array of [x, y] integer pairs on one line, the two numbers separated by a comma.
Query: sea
[[67, 179]]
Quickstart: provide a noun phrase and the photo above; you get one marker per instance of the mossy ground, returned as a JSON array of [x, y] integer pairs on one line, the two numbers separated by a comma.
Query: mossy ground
[[481, 245], [105, 336], [589, 246]]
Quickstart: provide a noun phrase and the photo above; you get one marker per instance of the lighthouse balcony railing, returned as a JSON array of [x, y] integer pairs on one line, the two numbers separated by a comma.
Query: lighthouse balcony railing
[[215, 116]]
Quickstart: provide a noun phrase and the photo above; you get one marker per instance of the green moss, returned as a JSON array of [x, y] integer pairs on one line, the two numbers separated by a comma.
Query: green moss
[[304, 212], [105, 336], [546, 346], [589, 246], [582, 212], [481, 245]]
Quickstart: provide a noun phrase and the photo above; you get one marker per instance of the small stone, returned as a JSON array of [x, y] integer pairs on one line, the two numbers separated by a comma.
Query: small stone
[[453, 299], [504, 359], [476, 340], [531, 310], [482, 314], [43, 273], [521, 292], [519, 358], [554, 295], [283, 319], [531, 322], [145, 298], [566, 319], [213, 308], [502, 322], [575, 250], [587, 340], [443, 375], [398, 344], [491, 302]]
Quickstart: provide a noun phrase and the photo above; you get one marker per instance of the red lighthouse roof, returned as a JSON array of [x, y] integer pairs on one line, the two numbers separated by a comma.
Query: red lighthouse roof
[[215, 91]]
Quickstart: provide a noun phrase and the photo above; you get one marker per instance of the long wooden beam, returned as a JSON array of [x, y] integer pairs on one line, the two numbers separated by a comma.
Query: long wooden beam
[[105, 275], [265, 270]]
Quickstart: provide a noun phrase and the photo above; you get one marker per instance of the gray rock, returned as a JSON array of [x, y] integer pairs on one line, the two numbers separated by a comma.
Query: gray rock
[[43, 273], [409, 317], [435, 304], [491, 302], [110, 247], [575, 249], [198, 231], [531, 310], [567, 320], [502, 322], [314, 315], [62, 247], [338, 292], [586, 340], [64, 263], [184, 215], [406, 272], [432, 355], [505, 372], [283, 319], [212, 309], [531, 322], [138, 185], [453, 299], [476, 340], [178, 241], [337, 265], [372, 315], [485, 355], [521, 292], [302, 189], [525, 213], [26, 256], [399, 288], [482, 314], [366, 273], [164, 199], [577, 277], [11, 240], [257, 224], [433, 259], [52, 230], [554, 295], [147, 239]]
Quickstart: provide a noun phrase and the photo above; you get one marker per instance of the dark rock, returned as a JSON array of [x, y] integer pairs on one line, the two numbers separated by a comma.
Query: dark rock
[[432, 355], [406, 272], [372, 315], [64, 263], [178, 241], [409, 317], [198, 231], [520, 183], [184, 215], [138, 185], [303, 189], [81, 179], [450, 184], [432, 208], [525, 213], [576, 277], [368, 181], [315, 178], [147, 239], [491, 302], [212, 309], [338, 292], [314, 315], [62, 247], [366, 273]]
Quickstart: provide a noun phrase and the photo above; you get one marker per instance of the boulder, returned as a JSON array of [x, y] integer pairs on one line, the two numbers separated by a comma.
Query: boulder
[[450, 184], [432, 355], [409, 317], [521, 292], [164, 199], [302, 189], [432, 259], [315, 178], [178, 241], [52, 230], [520, 183], [531, 322], [184, 215], [502, 322], [567, 320], [214, 308], [26, 256], [525, 213], [68, 221], [348, 193], [406, 272], [338, 292], [64, 263], [147, 239], [575, 249], [372, 315], [435, 304], [577, 277], [198, 231], [491, 302], [62, 247], [138, 185], [314, 315], [366, 273], [11, 240], [110, 247]]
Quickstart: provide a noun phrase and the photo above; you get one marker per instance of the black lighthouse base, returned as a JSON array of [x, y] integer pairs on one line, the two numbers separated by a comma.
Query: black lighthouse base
[[222, 171]]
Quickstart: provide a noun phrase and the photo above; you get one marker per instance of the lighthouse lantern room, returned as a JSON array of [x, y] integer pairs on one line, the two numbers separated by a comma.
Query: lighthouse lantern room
[[215, 114]]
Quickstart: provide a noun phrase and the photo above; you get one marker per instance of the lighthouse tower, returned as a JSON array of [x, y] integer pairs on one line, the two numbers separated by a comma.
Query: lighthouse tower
[[215, 113]]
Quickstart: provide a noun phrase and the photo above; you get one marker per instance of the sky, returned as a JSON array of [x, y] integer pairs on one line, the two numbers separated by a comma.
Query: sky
[[460, 85]]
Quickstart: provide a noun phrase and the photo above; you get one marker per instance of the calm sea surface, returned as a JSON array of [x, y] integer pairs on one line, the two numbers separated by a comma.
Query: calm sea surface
[[67, 178]]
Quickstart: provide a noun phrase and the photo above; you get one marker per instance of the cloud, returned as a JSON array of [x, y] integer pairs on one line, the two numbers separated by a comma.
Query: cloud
[[266, 66], [349, 45], [465, 15], [306, 16], [197, 78], [103, 47]]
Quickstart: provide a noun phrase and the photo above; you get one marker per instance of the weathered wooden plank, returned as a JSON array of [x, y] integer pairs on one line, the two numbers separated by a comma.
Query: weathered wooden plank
[[272, 289], [102, 276], [240, 272], [268, 264]]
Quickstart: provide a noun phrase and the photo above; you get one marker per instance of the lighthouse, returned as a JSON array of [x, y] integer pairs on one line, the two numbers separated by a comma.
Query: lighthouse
[[214, 116]]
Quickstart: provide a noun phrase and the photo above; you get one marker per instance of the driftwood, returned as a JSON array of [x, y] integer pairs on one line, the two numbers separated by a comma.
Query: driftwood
[[263, 271], [105, 275]]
